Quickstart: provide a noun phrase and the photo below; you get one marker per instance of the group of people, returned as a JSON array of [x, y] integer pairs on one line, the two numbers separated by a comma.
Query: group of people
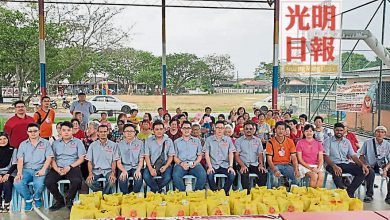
[[167, 147]]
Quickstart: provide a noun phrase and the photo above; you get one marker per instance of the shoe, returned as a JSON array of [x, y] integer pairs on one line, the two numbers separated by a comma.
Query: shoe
[[6, 208], [376, 186], [28, 207], [69, 204], [368, 199], [57, 206], [38, 203], [387, 201]]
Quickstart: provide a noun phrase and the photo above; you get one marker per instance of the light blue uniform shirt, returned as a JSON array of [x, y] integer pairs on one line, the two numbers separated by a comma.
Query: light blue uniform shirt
[[102, 156], [219, 150], [86, 108], [130, 153], [249, 149], [188, 151], [382, 150], [153, 149], [338, 150], [67, 153], [34, 156]]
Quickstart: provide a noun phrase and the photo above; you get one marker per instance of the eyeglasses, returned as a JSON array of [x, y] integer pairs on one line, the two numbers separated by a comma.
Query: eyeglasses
[[248, 129], [218, 127], [33, 131], [186, 128], [129, 131]]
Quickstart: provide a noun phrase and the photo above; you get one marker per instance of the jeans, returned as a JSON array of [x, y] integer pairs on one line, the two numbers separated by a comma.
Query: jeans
[[352, 169], [75, 178], [124, 184], [38, 184], [228, 183], [370, 178], [261, 179], [156, 185], [6, 188], [96, 186], [198, 171], [288, 171]]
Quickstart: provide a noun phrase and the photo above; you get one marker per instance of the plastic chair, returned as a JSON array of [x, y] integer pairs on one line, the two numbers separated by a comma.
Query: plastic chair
[[252, 176], [61, 188], [17, 198], [192, 179]]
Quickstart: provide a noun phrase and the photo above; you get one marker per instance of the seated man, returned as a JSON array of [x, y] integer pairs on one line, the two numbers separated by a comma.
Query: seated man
[[69, 154], [375, 155], [131, 162], [34, 157], [219, 157], [102, 157], [249, 156], [337, 151], [280, 152], [188, 156], [159, 152]]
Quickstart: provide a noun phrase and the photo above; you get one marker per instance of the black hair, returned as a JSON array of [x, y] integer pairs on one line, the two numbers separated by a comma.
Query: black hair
[[158, 122], [303, 116], [145, 121], [133, 110], [207, 108], [261, 114], [287, 113], [256, 110], [318, 117], [187, 122], [67, 124], [122, 114], [293, 121], [102, 126], [32, 125], [131, 125], [120, 121], [19, 102], [270, 111], [80, 93], [186, 114], [280, 123], [339, 125], [241, 116], [239, 108], [149, 116], [170, 122], [166, 115], [249, 122], [179, 116], [222, 116], [160, 108], [45, 97], [78, 113], [307, 127], [220, 122], [75, 119]]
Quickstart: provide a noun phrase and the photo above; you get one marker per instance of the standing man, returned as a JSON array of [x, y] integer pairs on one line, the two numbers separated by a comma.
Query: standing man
[[131, 162], [84, 107], [160, 115], [249, 156], [44, 117], [187, 159], [34, 157], [69, 154], [269, 120], [375, 155], [16, 126], [219, 157], [281, 152], [338, 150], [159, 152], [102, 157]]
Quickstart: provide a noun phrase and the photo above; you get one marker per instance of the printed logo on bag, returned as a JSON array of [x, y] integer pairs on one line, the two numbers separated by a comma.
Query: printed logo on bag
[[218, 212], [180, 213], [247, 212], [133, 213], [271, 210], [153, 214], [291, 208], [195, 214]]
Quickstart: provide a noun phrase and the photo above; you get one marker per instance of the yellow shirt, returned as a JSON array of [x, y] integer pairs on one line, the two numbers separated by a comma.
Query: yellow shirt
[[271, 122]]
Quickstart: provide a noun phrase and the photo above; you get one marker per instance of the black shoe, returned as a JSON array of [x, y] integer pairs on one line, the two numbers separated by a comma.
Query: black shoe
[[387, 201], [368, 199], [57, 206], [69, 204], [375, 186]]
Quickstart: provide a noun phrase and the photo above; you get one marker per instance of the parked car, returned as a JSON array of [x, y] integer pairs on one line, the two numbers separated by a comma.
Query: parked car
[[284, 102], [111, 103]]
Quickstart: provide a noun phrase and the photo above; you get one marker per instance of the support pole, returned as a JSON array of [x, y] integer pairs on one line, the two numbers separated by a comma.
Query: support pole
[[164, 60], [381, 67], [275, 72], [42, 52]]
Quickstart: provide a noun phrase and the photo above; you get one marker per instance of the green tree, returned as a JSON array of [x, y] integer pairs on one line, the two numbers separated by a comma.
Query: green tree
[[220, 68], [263, 71]]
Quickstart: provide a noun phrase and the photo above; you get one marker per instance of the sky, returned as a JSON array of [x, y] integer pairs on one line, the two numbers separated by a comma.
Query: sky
[[245, 35]]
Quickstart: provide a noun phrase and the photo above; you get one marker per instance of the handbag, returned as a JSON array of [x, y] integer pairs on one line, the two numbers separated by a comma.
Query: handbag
[[160, 162]]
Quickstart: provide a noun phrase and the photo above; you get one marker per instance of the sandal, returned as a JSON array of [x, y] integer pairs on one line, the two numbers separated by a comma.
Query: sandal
[[6, 208]]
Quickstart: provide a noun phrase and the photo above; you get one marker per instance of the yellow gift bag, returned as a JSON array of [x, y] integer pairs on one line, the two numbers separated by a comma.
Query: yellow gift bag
[[198, 209], [299, 190], [136, 210], [115, 198], [91, 200], [200, 194], [156, 209], [355, 204], [290, 205], [105, 214], [110, 206], [245, 208], [82, 212], [265, 209], [176, 210], [218, 207], [319, 207], [339, 205], [307, 201]]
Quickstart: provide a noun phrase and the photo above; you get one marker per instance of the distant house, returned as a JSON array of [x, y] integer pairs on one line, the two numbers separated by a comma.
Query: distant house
[[248, 86]]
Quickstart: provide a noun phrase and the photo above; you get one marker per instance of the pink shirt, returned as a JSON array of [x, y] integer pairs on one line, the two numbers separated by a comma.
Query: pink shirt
[[309, 150]]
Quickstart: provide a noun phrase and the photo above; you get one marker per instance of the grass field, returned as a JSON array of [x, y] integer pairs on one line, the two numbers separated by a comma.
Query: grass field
[[195, 103]]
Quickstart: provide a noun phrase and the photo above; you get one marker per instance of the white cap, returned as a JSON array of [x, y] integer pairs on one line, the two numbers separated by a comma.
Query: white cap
[[228, 126], [381, 127]]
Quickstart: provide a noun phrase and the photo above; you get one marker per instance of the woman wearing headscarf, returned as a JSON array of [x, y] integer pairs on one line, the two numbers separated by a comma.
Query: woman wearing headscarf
[[7, 167]]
